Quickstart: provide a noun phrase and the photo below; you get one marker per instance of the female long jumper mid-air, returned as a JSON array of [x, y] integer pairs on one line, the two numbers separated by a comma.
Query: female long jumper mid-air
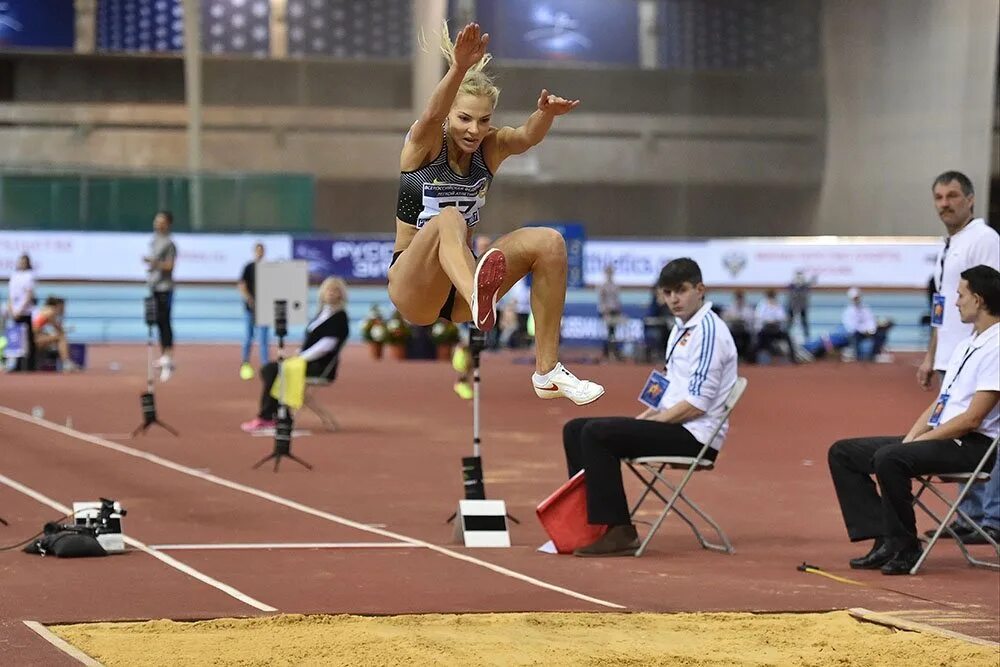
[[448, 161]]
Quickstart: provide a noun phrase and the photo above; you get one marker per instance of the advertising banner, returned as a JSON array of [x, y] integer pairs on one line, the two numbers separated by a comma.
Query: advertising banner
[[111, 256], [875, 262], [353, 258]]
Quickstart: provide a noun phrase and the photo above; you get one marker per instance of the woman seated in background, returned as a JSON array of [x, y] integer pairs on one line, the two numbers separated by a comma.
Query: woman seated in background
[[47, 324], [325, 335]]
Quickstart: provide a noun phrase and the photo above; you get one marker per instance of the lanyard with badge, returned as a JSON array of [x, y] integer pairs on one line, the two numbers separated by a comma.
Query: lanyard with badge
[[937, 301], [935, 418], [656, 386]]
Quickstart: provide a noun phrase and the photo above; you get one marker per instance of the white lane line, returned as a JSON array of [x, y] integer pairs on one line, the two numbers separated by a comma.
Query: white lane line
[[131, 541], [305, 509], [62, 644], [281, 545]]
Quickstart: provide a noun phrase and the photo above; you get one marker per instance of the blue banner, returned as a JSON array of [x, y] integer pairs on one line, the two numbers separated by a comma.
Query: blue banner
[[37, 23], [355, 259], [575, 236], [605, 31], [582, 325]]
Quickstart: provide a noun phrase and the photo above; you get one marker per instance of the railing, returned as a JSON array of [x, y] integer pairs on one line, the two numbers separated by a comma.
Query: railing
[[60, 199]]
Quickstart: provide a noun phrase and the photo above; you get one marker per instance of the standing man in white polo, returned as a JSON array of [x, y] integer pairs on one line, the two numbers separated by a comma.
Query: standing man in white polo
[[969, 242]]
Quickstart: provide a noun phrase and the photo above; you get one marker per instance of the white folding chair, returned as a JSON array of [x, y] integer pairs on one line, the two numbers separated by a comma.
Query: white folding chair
[[929, 483], [655, 466], [310, 401]]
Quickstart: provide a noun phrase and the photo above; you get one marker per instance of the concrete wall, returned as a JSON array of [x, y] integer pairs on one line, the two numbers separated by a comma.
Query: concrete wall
[[911, 93]]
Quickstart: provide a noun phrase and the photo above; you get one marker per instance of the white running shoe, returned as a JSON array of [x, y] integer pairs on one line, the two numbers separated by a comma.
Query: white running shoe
[[562, 383], [166, 370], [486, 283]]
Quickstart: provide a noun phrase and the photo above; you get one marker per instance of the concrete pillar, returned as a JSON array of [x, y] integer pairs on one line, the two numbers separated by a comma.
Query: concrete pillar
[[428, 65], [647, 34], [86, 26], [279, 28]]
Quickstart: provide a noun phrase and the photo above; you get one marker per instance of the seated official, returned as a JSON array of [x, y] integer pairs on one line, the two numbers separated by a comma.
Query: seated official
[[701, 371], [739, 317], [859, 323], [50, 335], [325, 336], [771, 322], [952, 435]]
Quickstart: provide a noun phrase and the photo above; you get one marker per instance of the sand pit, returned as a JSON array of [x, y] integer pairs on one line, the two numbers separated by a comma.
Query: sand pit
[[817, 640]]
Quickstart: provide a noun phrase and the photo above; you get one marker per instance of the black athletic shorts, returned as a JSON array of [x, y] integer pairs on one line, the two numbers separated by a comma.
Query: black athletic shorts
[[449, 303]]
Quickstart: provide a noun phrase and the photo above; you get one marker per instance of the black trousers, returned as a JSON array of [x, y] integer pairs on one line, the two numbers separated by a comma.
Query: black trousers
[[894, 464], [268, 405], [29, 361], [597, 445], [803, 317], [164, 300]]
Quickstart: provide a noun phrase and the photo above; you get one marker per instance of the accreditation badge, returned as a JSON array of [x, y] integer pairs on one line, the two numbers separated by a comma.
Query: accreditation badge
[[935, 418], [656, 387], [937, 309]]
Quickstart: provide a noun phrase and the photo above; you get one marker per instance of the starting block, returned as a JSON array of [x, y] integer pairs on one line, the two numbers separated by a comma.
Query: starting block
[[483, 523]]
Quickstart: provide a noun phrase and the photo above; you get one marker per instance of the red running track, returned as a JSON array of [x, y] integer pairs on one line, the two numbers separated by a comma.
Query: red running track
[[383, 485]]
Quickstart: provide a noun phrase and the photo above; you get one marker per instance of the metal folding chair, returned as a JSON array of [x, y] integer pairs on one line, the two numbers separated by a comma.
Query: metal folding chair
[[309, 400], [929, 483], [655, 466]]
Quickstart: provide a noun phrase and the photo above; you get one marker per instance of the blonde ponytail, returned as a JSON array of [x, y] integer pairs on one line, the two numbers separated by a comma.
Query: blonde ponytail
[[476, 81]]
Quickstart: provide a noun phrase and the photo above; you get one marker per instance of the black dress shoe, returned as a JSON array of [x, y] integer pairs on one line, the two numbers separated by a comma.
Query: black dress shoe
[[903, 561], [874, 559], [975, 538], [959, 529], [618, 541]]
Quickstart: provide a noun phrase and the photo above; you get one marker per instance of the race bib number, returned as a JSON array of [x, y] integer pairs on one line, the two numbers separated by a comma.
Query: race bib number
[[468, 199], [656, 387]]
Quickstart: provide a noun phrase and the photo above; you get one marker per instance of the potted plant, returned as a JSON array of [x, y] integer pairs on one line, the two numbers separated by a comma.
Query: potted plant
[[444, 334], [397, 333], [373, 332]]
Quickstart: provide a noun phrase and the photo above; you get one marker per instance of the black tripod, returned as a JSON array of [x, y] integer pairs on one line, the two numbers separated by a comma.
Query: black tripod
[[283, 427], [472, 466], [148, 402]]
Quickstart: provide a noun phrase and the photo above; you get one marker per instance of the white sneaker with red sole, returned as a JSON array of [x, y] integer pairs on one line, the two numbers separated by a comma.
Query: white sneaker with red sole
[[563, 384], [486, 283]]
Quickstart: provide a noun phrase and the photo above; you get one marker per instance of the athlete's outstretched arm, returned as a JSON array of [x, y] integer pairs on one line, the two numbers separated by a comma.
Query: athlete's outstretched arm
[[470, 47], [516, 141]]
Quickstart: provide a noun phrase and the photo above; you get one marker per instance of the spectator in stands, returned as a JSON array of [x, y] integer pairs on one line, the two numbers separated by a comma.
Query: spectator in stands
[[771, 325], [325, 336], [952, 435], [609, 306], [50, 334], [160, 262], [248, 290], [656, 325], [739, 317], [859, 323], [798, 301], [20, 301]]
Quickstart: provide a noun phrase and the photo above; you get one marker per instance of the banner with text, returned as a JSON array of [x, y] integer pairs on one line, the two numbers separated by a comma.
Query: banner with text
[[875, 262], [119, 255], [353, 258]]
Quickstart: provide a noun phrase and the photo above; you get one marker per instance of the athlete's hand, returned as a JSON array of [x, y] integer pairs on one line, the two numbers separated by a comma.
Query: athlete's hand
[[470, 46], [555, 105]]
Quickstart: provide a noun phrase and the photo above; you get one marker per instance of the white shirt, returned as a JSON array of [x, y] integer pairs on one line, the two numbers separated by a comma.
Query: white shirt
[[701, 369], [975, 244], [858, 318], [19, 289], [769, 312], [981, 372]]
